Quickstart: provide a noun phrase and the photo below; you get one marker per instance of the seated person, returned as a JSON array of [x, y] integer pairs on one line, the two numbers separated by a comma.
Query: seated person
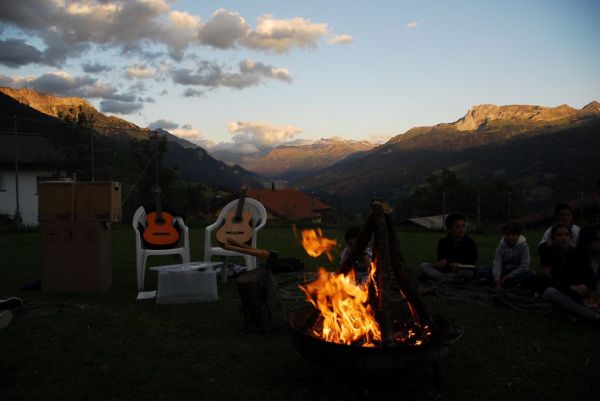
[[577, 290], [511, 262], [453, 252], [556, 257], [563, 215], [362, 265]]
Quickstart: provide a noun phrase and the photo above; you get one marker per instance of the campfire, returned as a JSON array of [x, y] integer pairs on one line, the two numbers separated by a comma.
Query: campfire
[[379, 312]]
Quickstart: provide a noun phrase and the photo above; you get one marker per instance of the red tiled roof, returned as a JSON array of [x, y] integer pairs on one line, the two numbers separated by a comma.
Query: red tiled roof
[[291, 204]]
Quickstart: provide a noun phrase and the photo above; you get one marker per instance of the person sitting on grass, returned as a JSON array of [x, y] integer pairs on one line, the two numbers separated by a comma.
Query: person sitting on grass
[[563, 215], [554, 258], [361, 265], [456, 253], [511, 262], [577, 288]]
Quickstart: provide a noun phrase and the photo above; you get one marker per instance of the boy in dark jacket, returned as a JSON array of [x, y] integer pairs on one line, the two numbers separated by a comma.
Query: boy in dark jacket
[[456, 253]]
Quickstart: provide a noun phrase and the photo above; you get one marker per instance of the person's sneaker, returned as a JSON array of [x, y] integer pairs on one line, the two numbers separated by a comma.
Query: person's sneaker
[[11, 303], [5, 318]]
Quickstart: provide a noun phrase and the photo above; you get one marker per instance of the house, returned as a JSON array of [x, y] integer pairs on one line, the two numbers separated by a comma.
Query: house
[[34, 165], [289, 204], [426, 222]]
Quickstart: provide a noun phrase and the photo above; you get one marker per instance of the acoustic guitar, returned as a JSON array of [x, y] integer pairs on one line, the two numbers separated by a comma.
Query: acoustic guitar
[[160, 230], [238, 225]]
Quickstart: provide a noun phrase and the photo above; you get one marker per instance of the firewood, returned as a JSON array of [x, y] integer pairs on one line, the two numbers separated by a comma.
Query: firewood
[[386, 308], [404, 276]]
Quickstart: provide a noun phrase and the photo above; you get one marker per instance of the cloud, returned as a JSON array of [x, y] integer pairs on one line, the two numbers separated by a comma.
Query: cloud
[[223, 30], [119, 107], [341, 39], [69, 28], [280, 35], [191, 92], [5, 80], [95, 68], [140, 72], [412, 25], [379, 138], [164, 124], [244, 148], [16, 52], [212, 75], [261, 134], [63, 84]]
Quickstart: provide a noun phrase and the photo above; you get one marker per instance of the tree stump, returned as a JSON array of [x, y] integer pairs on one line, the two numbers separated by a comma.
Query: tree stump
[[260, 301]]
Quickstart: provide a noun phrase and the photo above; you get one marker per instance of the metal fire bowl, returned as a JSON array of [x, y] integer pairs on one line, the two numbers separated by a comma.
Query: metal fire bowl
[[348, 358]]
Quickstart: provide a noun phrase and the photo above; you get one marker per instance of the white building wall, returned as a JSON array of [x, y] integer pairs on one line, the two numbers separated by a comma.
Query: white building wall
[[28, 197]]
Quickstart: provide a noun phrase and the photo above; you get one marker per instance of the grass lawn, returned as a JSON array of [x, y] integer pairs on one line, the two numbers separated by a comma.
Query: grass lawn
[[110, 347]]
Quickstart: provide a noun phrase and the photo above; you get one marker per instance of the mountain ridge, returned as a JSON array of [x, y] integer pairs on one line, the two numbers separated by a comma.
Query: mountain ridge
[[193, 162]]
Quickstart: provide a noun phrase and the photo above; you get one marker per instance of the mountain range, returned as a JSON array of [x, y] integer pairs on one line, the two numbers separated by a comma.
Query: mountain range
[[41, 113], [550, 152]]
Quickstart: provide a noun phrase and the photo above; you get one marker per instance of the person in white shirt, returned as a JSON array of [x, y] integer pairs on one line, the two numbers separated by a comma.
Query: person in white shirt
[[564, 215]]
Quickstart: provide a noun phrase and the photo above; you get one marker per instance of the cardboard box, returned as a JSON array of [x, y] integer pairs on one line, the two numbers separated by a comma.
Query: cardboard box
[[98, 201], [76, 257], [56, 201]]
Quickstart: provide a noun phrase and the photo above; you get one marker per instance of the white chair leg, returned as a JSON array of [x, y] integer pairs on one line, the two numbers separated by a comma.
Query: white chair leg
[[143, 271], [138, 271], [224, 269]]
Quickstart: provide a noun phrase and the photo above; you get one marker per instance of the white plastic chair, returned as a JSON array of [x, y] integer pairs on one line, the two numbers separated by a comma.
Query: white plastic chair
[[259, 219], [141, 255]]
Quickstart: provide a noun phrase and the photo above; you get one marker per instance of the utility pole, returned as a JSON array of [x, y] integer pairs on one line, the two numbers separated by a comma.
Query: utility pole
[[92, 150], [444, 202], [18, 204], [581, 210], [478, 210]]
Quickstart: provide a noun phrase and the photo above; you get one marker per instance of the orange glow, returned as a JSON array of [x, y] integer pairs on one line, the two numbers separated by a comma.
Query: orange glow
[[348, 318], [315, 244]]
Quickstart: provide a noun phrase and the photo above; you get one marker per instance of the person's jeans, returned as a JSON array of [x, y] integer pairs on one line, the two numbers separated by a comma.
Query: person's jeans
[[567, 304], [486, 272], [430, 271]]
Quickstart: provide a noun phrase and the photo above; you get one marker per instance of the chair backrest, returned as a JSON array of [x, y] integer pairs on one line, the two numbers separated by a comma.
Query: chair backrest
[[139, 218], [256, 209]]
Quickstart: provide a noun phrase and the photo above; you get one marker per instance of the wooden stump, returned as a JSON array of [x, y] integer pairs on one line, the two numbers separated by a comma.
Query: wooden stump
[[261, 304]]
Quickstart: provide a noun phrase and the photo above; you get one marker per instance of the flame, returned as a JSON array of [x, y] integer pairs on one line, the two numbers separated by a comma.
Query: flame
[[347, 315], [315, 244], [348, 318]]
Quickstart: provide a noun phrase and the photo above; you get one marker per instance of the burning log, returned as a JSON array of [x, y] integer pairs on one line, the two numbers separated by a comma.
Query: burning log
[[389, 303], [404, 276], [260, 301], [385, 305]]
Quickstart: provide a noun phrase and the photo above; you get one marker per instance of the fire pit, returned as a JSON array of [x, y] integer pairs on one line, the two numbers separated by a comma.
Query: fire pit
[[350, 359], [375, 327]]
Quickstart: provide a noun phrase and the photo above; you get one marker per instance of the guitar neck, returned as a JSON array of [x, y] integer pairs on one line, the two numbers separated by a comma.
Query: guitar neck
[[240, 205], [158, 205]]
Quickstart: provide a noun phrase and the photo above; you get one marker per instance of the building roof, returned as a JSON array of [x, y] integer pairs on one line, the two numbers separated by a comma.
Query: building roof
[[291, 204], [428, 222]]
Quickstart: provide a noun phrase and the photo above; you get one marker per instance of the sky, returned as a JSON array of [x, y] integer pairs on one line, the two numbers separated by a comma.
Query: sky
[[244, 75]]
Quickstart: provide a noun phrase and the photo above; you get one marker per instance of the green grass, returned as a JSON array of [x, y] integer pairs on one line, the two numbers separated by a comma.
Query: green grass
[[110, 347]]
